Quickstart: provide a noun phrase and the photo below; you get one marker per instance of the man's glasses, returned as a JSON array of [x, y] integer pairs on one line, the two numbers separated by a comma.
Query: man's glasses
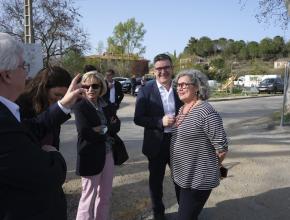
[[24, 66], [165, 68], [94, 86], [183, 85]]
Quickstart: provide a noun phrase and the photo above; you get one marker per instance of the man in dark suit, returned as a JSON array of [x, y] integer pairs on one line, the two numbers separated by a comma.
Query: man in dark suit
[[156, 106], [30, 174], [114, 94]]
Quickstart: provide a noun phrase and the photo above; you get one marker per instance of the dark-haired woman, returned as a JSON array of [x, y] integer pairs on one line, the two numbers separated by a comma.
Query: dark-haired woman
[[44, 90], [42, 93]]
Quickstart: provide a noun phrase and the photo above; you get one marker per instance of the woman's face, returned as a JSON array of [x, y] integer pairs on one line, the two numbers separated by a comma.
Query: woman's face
[[92, 89], [55, 94], [186, 90]]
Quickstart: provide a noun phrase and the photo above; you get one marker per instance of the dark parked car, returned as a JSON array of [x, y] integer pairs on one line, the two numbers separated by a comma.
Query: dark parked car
[[139, 84], [271, 85], [125, 82]]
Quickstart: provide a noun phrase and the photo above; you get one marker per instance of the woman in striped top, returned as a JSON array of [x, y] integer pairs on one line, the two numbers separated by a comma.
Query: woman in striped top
[[198, 145]]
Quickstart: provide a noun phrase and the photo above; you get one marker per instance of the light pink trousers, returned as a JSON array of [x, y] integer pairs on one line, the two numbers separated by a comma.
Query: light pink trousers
[[96, 193]]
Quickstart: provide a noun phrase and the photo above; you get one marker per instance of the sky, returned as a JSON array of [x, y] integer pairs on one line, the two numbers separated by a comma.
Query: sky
[[170, 24]]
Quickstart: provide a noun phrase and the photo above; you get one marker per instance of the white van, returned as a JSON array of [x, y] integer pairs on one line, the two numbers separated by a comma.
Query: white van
[[252, 80]]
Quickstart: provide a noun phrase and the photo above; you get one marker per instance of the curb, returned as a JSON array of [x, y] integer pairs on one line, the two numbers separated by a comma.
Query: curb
[[238, 97]]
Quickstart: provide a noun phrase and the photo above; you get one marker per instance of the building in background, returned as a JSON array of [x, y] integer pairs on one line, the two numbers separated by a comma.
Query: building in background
[[281, 63], [124, 65]]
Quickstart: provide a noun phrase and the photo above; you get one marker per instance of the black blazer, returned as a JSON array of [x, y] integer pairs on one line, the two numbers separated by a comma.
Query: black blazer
[[149, 113], [29, 177], [43, 126], [119, 95], [91, 147]]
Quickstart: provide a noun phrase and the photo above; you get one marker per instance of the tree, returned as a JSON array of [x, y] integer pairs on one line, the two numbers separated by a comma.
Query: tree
[[267, 49], [287, 47], [191, 46], [127, 38], [233, 48], [55, 24], [244, 54], [216, 67], [253, 49], [204, 47], [73, 61], [279, 45], [272, 10]]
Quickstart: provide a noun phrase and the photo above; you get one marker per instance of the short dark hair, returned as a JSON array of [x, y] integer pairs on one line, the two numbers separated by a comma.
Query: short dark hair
[[110, 72], [162, 56], [88, 68]]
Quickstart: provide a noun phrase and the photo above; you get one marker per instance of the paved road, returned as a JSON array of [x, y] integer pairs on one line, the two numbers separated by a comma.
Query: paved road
[[251, 180], [232, 112]]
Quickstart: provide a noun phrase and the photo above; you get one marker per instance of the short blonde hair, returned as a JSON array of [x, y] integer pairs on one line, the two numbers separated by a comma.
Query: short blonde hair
[[95, 75]]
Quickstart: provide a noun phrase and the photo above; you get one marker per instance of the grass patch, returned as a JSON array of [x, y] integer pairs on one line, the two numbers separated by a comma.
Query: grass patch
[[277, 118]]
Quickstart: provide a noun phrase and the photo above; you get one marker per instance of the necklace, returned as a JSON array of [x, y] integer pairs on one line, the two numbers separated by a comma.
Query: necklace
[[181, 115]]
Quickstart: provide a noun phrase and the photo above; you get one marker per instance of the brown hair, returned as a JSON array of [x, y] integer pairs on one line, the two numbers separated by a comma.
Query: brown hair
[[37, 88]]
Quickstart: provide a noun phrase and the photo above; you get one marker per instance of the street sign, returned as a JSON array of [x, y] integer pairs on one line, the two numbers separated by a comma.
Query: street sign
[[33, 58]]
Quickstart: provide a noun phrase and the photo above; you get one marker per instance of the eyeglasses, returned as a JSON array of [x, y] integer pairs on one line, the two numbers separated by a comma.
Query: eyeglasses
[[24, 66], [165, 68], [93, 86], [183, 85]]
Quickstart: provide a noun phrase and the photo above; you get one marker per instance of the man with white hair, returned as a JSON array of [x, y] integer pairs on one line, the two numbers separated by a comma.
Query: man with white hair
[[29, 173]]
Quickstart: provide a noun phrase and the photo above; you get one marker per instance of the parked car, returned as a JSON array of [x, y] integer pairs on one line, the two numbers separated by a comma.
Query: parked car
[[271, 85], [138, 82], [125, 82]]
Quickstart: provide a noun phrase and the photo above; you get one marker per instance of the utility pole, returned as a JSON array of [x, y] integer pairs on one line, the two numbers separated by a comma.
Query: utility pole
[[28, 22]]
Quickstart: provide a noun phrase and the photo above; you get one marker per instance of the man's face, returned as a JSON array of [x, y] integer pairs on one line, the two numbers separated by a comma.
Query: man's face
[[163, 71], [18, 78], [109, 77], [55, 94]]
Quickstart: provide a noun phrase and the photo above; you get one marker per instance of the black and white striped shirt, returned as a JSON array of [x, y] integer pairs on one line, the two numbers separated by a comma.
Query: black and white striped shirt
[[193, 159]]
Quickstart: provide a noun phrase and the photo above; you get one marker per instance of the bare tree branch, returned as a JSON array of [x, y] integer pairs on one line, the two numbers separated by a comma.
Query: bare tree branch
[[54, 21]]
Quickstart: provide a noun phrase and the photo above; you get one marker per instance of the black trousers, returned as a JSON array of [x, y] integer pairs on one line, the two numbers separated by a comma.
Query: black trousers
[[157, 167], [114, 107], [191, 203]]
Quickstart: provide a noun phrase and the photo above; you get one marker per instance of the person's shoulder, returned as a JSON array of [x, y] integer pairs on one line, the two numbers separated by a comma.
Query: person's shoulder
[[150, 84], [117, 82], [24, 100], [27, 109], [206, 108], [80, 103], [147, 88], [8, 123]]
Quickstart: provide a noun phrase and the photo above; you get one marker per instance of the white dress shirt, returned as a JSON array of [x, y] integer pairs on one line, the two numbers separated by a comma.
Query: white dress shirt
[[112, 92], [168, 102]]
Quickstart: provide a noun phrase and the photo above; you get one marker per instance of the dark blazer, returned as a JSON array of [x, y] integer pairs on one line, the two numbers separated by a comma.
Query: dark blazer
[[119, 95], [148, 114], [29, 176], [48, 130], [91, 147]]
